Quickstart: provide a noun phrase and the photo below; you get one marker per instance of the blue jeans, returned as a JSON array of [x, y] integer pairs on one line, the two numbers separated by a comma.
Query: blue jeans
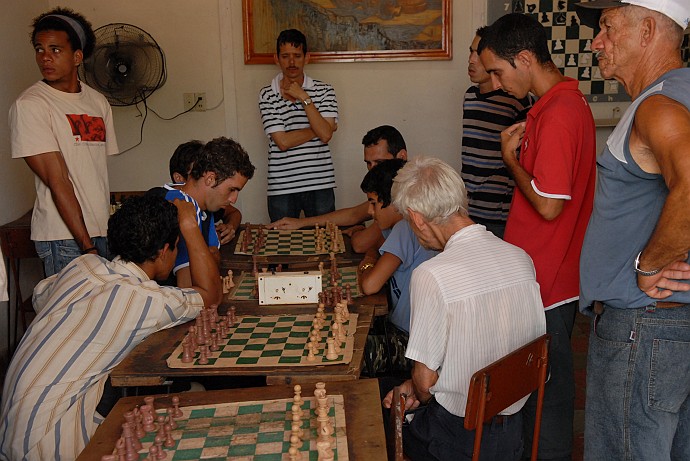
[[436, 434], [558, 412], [638, 385], [56, 254], [314, 203]]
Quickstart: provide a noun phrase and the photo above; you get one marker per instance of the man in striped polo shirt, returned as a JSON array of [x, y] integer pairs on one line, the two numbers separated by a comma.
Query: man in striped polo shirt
[[90, 316], [485, 113], [299, 116]]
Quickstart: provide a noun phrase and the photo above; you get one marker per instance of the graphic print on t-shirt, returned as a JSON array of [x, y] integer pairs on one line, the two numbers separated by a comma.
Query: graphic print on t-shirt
[[86, 128]]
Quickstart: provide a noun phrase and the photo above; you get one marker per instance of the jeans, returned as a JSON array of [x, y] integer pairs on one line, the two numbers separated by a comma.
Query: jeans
[[314, 203], [436, 434], [56, 254], [558, 412], [638, 383]]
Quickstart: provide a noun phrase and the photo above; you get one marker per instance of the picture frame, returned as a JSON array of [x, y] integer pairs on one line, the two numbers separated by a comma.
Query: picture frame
[[351, 30]]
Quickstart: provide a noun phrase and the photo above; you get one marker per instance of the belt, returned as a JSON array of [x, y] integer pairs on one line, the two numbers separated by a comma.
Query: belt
[[598, 306], [498, 419]]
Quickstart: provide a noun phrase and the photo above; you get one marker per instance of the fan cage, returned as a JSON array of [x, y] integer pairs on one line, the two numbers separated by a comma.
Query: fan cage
[[127, 64]]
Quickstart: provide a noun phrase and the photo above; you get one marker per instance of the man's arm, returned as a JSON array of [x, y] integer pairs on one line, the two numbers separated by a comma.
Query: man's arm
[[416, 389], [368, 238], [322, 127], [343, 217], [377, 270], [202, 271], [51, 168], [659, 143], [548, 208]]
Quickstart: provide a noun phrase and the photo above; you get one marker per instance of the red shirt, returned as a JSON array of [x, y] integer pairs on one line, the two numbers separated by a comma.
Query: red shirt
[[559, 151]]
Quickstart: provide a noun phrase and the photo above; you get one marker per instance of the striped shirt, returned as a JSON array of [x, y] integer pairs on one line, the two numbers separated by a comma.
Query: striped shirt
[[90, 316], [308, 166], [472, 304], [484, 116]]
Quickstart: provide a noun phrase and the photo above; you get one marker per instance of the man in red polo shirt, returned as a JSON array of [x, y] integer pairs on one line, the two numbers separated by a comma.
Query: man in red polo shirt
[[554, 175]]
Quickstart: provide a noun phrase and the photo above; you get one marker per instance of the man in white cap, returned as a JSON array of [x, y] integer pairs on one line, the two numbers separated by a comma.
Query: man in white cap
[[634, 266]]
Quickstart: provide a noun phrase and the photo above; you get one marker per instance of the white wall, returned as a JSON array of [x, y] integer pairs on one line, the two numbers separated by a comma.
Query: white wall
[[422, 99]]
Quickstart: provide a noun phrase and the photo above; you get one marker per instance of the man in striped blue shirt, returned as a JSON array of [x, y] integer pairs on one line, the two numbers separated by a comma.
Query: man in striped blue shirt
[[299, 116], [485, 113], [90, 316]]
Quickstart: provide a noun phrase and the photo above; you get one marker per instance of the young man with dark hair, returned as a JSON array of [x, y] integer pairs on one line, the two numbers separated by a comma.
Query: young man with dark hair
[[380, 144], [227, 220], [552, 202], [218, 174], [64, 130], [90, 316], [400, 252], [299, 116], [486, 112]]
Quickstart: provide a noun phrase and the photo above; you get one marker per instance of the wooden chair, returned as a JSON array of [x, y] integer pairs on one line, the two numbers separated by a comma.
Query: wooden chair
[[504, 382], [397, 415]]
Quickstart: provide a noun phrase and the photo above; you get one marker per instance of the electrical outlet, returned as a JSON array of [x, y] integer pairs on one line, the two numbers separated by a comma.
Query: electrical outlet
[[195, 100]]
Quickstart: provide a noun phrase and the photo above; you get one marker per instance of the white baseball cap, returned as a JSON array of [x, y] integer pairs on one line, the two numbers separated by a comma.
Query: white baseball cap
[[678, 10]]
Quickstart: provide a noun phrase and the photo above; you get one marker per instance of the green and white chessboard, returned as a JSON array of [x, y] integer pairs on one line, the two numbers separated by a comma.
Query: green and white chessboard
[[271, 341], [288, 243], [258, 430], [246, 283]]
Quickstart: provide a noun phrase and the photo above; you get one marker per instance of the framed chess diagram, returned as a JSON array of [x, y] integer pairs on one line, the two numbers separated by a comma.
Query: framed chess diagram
[[570, 44]]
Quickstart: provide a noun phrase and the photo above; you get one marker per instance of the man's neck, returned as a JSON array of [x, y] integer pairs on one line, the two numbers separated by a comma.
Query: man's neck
[[193, 189], [454, 224]]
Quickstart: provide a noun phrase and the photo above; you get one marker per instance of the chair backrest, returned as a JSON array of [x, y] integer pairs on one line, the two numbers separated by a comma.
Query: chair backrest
[[397, 415], [497, 386]]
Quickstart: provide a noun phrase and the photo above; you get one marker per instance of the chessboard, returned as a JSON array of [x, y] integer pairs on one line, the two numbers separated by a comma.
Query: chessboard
[[245, 288], [288, 242], [262, 430], [272, 341]]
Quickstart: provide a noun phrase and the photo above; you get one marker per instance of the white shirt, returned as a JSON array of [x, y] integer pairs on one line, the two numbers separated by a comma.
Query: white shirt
[[475, 302]]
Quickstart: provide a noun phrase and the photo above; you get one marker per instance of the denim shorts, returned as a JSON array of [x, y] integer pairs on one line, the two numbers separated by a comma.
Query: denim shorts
[[56, 254]]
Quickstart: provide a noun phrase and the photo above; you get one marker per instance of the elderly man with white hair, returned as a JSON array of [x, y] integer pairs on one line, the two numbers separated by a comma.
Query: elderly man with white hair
[[634, 269], [475, 302]]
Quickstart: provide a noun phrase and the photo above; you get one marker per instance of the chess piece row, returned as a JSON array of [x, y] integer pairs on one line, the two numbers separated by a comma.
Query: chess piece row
[[206, 335], [138, 423]]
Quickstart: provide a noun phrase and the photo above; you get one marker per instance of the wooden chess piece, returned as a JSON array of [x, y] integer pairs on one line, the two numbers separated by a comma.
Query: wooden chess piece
[[331, 354], [176, 406]]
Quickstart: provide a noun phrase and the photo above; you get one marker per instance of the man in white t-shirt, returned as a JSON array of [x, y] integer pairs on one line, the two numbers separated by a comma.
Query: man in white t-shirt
[[64, 130], [472, 304]]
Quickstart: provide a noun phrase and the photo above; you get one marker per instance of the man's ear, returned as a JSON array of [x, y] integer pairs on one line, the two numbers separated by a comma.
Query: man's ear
[[78, 57], [177, 178], [525, 57], [307, 57], [210, 178], [417, 219], [275, 60], [402, 155]]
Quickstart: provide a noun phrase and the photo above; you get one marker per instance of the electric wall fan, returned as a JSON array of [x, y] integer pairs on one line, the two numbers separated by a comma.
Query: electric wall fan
[[127, 64]]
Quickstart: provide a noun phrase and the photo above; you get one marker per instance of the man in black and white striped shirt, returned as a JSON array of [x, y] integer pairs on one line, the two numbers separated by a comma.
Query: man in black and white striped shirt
[[299, 116]]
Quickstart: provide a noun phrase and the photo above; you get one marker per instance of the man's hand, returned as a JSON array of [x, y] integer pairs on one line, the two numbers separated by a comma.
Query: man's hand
[[511, 138], [664, 284], [407, 389], [186, 213], [293, 91], [286, 224], [225, 232]]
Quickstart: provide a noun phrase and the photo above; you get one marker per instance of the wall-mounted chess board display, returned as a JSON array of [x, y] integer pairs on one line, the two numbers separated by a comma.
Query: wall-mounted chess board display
[[570, 44]]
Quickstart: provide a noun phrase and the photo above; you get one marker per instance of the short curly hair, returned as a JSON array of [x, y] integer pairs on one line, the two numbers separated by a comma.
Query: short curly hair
[[142, 227], [183, 158], [52, 21], [379, 180], [225, 157]]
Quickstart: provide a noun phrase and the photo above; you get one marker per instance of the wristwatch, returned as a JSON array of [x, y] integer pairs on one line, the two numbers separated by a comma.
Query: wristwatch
[[640, 271], [306, 102]]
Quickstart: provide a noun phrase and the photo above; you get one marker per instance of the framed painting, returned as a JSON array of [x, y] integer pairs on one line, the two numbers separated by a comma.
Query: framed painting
[[351, 30]]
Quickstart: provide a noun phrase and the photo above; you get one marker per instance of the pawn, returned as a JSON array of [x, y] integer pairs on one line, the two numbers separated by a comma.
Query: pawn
[[295, 454], [187, 351], [161, 426], [295, 442], [311, 357], [176, 406], [169, 441], [203, 355], [298, 395], [170, 419], [158, 440]]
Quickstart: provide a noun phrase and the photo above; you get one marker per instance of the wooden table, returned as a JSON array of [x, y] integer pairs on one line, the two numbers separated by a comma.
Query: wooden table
[[364, 424], [230, 260], [146, 364]]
